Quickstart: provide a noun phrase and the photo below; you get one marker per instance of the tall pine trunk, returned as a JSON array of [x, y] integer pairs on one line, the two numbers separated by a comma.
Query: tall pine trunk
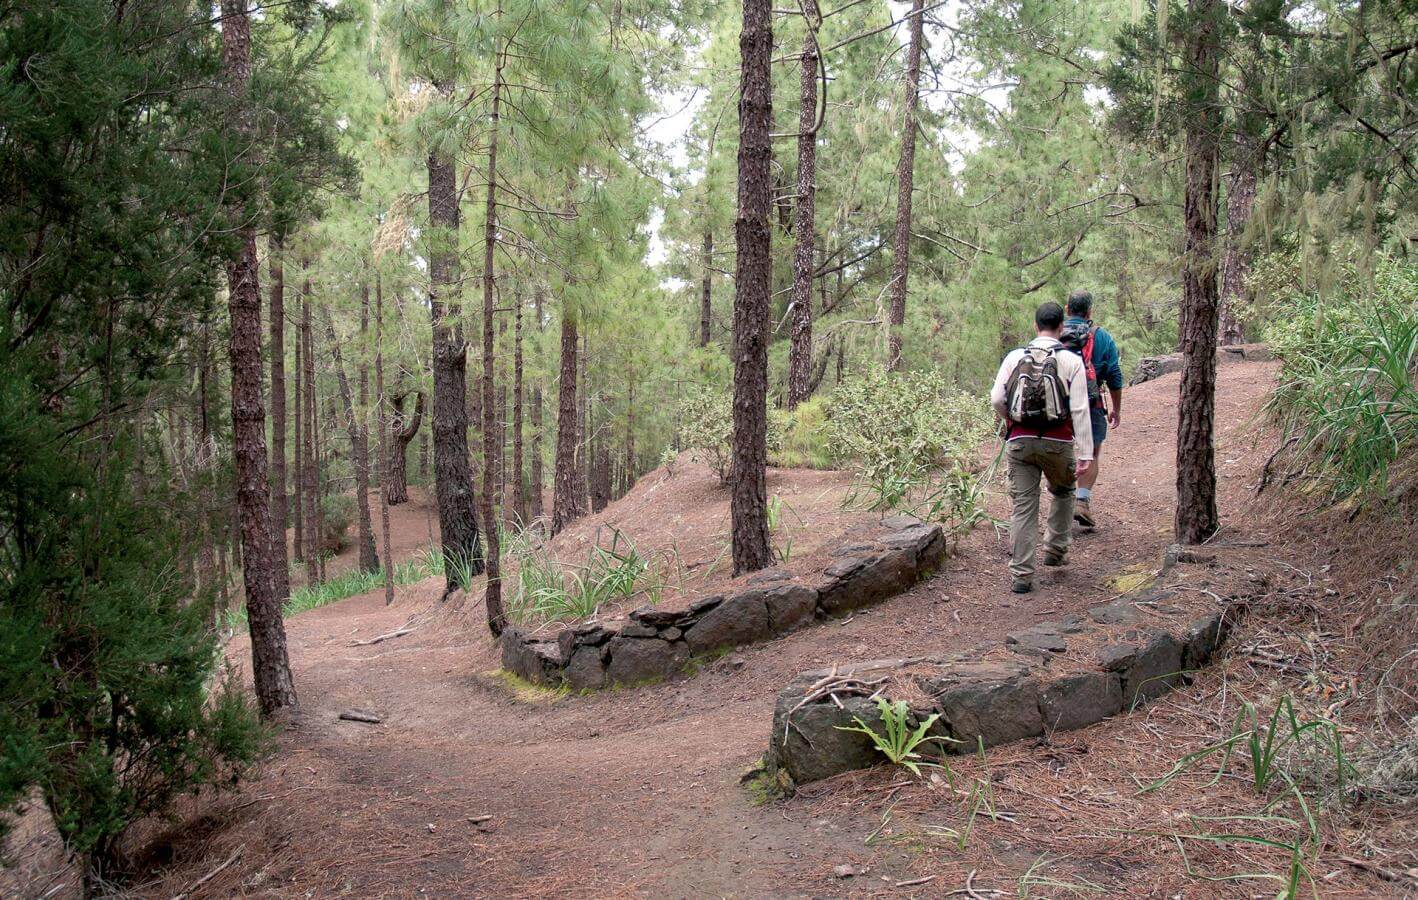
[[519, 492], [381, 420], [359, 451], [311, 488], [270, 663], [566, 500], [538, 483], [280, 559], [752, 285], [706, 288], [583, 423], [1196, 517], [805, 226], [1236, 264], [297, 408], [397, 478], [905, 181], [492, 442], [453, 479]]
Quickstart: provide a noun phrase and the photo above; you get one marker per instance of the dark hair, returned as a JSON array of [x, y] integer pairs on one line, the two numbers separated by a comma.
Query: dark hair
[[1049, 316], [1080, 303]]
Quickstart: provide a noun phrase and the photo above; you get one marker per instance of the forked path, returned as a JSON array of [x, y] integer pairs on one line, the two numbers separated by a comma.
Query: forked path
[[464, 790]]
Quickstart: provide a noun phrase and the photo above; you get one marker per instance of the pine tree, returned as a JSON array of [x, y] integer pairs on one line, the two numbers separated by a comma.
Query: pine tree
[[1196, 516], [270, 663], [753, 273], [805, 211], [905, 183]]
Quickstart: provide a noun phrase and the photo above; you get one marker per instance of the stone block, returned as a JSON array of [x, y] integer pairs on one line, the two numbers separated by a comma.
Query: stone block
[[790, 606], [1154, 668], [704, 604], [741, 619], [1200, 638], [586, 671], [996, 702], [537, 661], [657, 618], [634, 660], [866, 580], [1074, 701], [814, 746]]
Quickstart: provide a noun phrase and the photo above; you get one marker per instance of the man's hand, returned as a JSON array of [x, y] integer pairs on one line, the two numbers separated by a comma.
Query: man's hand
[[1082, 468], [1115, 418]]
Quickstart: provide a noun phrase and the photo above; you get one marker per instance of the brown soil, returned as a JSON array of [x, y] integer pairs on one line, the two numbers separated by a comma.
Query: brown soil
[[469, 788]]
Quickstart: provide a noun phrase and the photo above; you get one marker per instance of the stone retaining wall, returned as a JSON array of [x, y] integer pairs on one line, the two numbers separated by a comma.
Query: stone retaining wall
[[1052, 676], [1150, 367], [652, 643]]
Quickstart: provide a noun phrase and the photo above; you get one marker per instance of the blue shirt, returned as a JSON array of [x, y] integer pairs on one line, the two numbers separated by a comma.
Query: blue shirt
[[1106, 361]]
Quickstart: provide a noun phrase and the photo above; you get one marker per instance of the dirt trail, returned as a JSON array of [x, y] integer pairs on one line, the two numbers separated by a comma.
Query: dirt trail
[[628, 792]]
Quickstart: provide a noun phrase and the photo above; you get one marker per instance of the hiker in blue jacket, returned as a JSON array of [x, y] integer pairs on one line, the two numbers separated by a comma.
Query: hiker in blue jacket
[[1100, 358]]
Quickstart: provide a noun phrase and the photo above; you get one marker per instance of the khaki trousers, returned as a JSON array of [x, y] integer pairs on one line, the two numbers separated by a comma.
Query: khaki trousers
[[1030, 458]]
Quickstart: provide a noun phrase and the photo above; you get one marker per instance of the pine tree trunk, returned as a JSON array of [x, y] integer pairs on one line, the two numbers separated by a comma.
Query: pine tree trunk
[[752, 285], [519, 490], [297, 408], [453, 479], [313, 531], [1236, 265], [423, 455], [279, 512], [566, 501], [583, 425], [538, 484], [492, 434], [905, 181], [805, 226], [706, 288], [1197, 518], [270, 663], [631, 470], [359, 451], [381, 419], [398, 470]]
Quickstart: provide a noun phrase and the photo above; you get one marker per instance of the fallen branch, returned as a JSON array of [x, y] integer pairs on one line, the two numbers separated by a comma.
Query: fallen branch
[[383, 637], [212, 874], [915, 881]]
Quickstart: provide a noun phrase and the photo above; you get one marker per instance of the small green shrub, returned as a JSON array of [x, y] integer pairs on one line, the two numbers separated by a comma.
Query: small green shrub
[[706, 428], [337, 512], [893, 422], [898, 741], [804, 443], [1348, 395]]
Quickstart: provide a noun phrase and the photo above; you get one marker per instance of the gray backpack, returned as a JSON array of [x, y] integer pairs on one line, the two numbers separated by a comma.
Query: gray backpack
[[1035, 393]]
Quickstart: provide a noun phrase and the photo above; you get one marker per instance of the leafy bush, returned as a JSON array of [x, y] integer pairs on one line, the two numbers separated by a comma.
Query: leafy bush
[[913, 441], [893, 422], [1348, 398], [706, 428]]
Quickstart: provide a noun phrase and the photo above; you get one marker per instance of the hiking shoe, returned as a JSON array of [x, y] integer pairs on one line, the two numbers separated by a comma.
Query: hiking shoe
[[1022, 586], [1055, 559], [1083, 515]]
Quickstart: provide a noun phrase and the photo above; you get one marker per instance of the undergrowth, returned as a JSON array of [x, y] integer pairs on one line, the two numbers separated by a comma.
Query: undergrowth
[[427, 563], [549, 590], [1347, 401]]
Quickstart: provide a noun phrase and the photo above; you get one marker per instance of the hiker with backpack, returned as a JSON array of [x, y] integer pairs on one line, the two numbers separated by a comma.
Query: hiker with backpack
[[1100, 359], [1041, 392]]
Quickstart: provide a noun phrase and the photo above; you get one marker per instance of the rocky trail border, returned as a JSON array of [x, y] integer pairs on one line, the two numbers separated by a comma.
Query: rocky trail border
[[1053, 676], [875, 562]]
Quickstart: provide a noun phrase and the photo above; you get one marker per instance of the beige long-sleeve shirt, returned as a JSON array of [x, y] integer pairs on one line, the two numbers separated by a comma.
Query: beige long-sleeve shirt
[[1075, 377]]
